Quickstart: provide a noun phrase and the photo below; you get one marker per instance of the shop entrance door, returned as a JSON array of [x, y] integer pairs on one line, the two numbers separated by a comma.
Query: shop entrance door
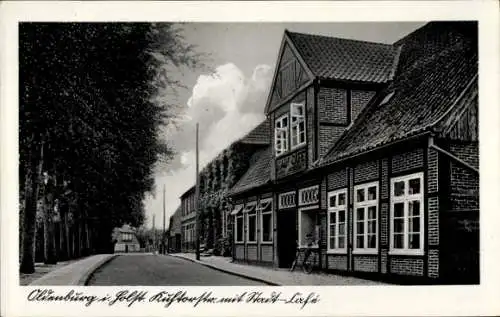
[[287, 237]]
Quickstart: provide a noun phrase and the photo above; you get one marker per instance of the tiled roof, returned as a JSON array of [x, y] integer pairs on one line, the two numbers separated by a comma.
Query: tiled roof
[[345, 59], [423, 94], [258, 174], [259, 135]]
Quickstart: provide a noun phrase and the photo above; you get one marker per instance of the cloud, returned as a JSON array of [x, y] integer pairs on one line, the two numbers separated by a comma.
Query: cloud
[[227, 105]]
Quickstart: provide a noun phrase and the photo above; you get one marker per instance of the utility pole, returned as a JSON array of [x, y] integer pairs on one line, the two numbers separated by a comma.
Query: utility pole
[[154, 235], [163, 236], [197, 199]]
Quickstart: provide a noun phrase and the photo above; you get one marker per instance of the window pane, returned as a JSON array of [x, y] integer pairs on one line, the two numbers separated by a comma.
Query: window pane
[[341, 242], [372, 227], [266, 227], [398, 225], [360, 195], [414, 224], [239, 228], [333, 219], [333, 201], [399, 188], [332, 231], [251, 228], [341, 215], [414, 208], [398, 241], [332, 242], [341, 229], [372, 193], [360, 227], [285, 122], [341, 199], [372, 212], [414, 241], [302, 137], [360, 213], [372, 241], [399, 210], [360, 242], [414, 186]]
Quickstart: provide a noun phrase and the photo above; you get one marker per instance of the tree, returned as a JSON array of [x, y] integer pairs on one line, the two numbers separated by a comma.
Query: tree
[[90, 117]]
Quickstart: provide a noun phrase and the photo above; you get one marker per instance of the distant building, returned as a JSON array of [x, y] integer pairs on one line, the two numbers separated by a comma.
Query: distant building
[[174, 236], [126, 240]]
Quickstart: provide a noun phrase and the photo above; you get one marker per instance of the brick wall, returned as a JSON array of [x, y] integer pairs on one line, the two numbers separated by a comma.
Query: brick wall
[[464, 183], [366, 171], [407, 266], [433, 263], [383, 261], [432, 173], [328, 135], [323, 194], [433, 221], [407, 160], [337, 262], [332, 105], [310, 131], [366, 263], [469, 152], [359, 99], [337, 179]]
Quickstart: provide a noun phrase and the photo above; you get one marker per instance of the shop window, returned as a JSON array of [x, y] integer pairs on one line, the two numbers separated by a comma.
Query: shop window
[[308, 230], [281, 135], [266, 220], [337, 221], [251, 221], [366, 218], [298, 124], [407, 215]]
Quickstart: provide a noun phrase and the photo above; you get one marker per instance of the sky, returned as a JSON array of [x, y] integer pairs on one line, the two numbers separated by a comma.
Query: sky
[[228, 100]]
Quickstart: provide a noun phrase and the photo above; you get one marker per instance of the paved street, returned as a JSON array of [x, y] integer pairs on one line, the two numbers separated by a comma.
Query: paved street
[[155, 270]]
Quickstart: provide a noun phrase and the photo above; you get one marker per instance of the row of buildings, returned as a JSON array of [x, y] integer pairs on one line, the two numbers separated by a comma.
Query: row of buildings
[[370, 148]]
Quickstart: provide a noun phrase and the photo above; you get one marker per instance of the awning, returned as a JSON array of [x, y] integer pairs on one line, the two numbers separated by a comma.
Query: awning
[[264, 203], [236, 210], [250, 207]]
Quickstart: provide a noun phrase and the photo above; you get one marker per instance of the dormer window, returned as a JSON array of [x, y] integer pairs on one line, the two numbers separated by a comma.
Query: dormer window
[[298, 126], [281, 135]]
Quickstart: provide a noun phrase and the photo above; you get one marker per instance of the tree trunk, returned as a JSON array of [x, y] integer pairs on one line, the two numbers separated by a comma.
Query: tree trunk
[[66, 235], [29, 227], [48, 224]]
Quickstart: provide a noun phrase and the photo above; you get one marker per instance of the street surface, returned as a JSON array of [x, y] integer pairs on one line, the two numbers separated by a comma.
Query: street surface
[[156, 270]]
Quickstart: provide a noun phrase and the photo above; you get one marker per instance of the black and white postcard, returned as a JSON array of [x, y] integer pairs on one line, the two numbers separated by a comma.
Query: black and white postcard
[[230, 158]]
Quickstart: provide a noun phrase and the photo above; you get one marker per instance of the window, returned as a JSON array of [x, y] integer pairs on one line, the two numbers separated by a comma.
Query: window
[[298, 124], [308, 230], [266, 220], [366, 218], [337, 215], [281, 135], [407, 218], [238, 228], [126, 236], [251, 216]]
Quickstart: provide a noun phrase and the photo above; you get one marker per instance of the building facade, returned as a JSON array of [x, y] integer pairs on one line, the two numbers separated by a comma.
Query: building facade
[[374, 154], [126, 240], [174, 238], [216, 180]]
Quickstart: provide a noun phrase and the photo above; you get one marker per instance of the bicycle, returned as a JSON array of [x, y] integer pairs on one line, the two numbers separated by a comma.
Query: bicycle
[[309, 261]]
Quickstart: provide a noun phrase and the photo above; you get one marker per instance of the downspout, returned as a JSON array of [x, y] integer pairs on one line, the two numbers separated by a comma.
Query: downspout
[[450, 155]]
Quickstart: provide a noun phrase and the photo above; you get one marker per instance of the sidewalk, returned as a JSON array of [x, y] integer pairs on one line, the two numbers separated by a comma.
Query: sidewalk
[[74, 273], [274, 276]]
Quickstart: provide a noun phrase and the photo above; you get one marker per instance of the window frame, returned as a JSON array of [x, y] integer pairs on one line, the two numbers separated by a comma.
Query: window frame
[[261, 215], [285, 144], [300, 118], [366, 204], [236, 218], [254, 216], [336, 209], [406, 198]]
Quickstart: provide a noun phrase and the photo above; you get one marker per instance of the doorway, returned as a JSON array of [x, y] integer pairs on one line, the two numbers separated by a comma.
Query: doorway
[[287, 237]]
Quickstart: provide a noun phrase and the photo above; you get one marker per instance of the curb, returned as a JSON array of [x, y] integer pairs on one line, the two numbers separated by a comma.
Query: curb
[[85, 278], [250, 277]]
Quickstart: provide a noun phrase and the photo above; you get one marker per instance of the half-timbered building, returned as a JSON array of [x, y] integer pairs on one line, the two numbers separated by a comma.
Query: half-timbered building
[[374, 153]]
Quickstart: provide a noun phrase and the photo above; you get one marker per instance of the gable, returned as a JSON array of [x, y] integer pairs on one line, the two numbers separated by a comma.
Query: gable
[[290, 75]]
